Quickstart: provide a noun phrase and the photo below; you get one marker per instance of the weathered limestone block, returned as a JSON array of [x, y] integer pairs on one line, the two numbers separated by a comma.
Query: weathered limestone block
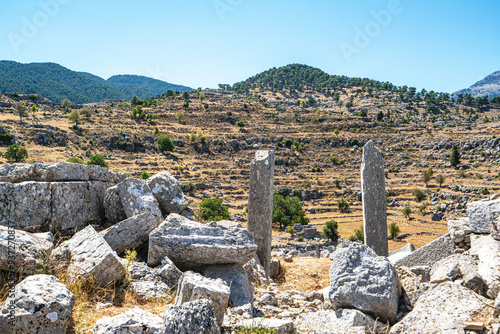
[[22, 172], [482, 214], [335, 322], [29, 249], [459, 229], [488, 251], [193, 286], [168, 193], [362, 280], [241, 289], [31, 204], [401, 253], [137, 198], [130, 233], [433, 310], [194, 317], [90, 256], [374, 206], [191, 244], [41, 304], [113, 206], [429, 254], [133, 321], [260, 204]]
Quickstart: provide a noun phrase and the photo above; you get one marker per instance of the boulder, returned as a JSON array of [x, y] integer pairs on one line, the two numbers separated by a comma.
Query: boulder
[[274, 268], [400, 253], [459, 229], [193, 317], [24, 197], [429, 254], [76, 204], [29, 250], [133, 321], [241, 289], [362, 280], [193, 286], [137, 198], [336, 322], [461, 268], [168, 193], [482, 214], [113, 206], [40, 304], [90, 256], [150, 289], [190, 244], [256, 272], [131, 233], [488, 251], [433, 310], [169, 272], [278, 326]]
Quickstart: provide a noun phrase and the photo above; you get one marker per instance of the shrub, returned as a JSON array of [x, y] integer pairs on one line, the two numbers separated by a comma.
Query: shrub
[[144, 175], [427, 174], [189, 187], [394, 231], [205, 105], [164, 143], [97, 160], [16, 153], [240, 124], [290, 230], [406, 212], [461, 174], [229, 113], [288, 143], [343, 205], [5, 138], [485, 191], [418, 194], [334, 160], [157, 130], [76, 160], [358, 235], [192, 137], [455, 156], [440, 179], [211, 209], [203, 139], [179, 116], [337, 183], [288, 211], [330, 230], [300, 239]]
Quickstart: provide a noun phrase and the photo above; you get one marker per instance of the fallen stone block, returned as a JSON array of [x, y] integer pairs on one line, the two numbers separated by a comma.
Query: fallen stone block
[[132, 321], [429, 254], [168, 193], [193, 317], [137, 198], [482, 214]]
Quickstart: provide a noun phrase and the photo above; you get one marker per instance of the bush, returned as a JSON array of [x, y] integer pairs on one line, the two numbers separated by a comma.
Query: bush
[[144, 175], [358, 235], [288, 143], [288, 211], [300, 238], [211, 209], [330, 230], [188, 188], [240, 124], [406, 212], [5, 138], [394, 231], [427, 174], [337, 183], [440, 179], [97, 160], [16, 153], [485, 191], [229, 113], [418, 194], [192, 137], [157, 130], [164, 143], [203, 140], [343, 205], [334, 160], [76, 160]]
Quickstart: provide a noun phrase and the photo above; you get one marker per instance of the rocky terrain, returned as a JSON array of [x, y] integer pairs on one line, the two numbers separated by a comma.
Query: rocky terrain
[[490, 86], [75, 224]]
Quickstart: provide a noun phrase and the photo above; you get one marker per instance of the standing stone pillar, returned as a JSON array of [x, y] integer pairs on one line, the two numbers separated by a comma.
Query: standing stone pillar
[[260, 204], [374, 206]]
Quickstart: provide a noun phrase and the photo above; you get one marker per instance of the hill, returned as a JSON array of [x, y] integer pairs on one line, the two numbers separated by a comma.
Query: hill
[[142, 86], [490, 86], [298, 77], [57, 83]]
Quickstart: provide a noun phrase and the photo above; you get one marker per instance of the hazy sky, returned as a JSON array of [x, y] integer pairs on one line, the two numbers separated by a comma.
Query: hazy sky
[[441, 45]]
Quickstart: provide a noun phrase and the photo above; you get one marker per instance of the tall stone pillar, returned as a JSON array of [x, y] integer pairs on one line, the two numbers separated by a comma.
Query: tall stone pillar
[[374, 205], [260, 204]]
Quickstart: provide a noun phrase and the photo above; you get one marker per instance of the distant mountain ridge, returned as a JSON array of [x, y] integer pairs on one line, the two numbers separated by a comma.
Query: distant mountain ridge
[[57, 83], [490, 86]]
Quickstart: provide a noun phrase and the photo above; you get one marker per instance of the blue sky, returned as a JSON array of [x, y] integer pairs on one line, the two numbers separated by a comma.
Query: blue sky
[[440, 45]]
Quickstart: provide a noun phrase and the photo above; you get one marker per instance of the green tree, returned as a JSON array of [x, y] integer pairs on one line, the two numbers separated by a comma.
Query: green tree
[[380, 116], [16, 153], [288, 211], [74, 117], [440, 179], [330, 230], [211, 209], [135, 101], [185, 96], [164, 143], [406, 211], [97, 160], [66, 104], [21, 111], [240, 124], [394, 231], [201, 96], [418, 194], [427, 174], [343, 205], [144, 175], [455, 156]]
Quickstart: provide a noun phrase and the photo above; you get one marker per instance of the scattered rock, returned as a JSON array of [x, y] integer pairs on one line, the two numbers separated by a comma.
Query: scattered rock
[[488, 251], [193, 317], [168, 193], [279, 326], [335, 322], [132, 321]]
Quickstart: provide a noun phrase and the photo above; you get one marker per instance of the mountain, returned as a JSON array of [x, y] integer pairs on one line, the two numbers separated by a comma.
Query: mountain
[[299, 77], [142, 86], [488, 86], [57, 83]]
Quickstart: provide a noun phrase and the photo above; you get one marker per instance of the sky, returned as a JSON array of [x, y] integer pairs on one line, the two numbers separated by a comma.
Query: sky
[[439, 45]]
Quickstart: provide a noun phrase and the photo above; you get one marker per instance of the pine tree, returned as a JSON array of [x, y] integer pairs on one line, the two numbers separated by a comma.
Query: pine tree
[[455, 156]]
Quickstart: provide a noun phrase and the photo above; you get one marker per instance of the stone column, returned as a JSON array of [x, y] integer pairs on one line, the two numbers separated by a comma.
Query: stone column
[[260, 204], [374, 206]]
